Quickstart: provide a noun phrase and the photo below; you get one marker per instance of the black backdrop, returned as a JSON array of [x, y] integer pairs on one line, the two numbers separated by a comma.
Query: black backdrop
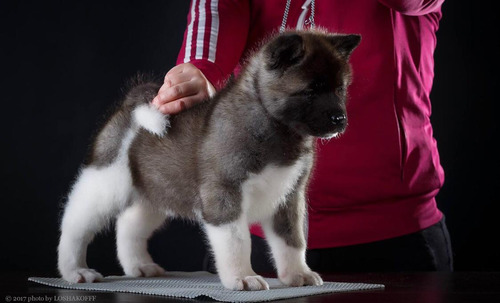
[[64, 63]]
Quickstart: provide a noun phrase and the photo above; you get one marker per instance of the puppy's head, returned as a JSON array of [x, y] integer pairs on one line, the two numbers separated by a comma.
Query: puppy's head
[[304, 80]]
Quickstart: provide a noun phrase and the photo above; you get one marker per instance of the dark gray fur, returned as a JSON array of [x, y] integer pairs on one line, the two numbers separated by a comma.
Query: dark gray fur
[[287, 95]]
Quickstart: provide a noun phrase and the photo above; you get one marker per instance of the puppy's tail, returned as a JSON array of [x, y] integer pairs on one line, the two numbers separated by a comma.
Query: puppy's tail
[[151, 119], [145, 114]]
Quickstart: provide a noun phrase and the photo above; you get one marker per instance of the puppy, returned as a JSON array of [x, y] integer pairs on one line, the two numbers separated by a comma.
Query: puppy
[[242, 157]]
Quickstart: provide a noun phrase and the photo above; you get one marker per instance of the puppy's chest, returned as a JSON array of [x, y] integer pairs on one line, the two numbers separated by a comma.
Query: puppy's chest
[[263, 192]]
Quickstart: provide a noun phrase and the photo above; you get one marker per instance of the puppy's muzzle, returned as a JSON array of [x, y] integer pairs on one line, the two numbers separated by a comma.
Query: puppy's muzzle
[[339, 119]]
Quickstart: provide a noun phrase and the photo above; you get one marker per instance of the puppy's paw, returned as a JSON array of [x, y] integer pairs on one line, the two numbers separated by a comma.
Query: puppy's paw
[[306, 277], [246, 283], [145, 270], [82, 275]]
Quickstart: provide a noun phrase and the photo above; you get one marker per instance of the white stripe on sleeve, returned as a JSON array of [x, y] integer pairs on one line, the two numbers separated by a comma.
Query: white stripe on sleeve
[[214, 30], [189, 37], [200, 38]]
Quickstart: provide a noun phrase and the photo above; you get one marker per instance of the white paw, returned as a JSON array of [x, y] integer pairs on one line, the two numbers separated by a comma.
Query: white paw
[[82, 275], [145, 270], [246, 283], [301, 278]]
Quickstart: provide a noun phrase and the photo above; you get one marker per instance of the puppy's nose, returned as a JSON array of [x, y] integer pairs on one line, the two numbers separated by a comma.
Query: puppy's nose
[[339, 119]]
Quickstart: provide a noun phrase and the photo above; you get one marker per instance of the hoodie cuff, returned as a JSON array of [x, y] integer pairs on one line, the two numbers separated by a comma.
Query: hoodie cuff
[[212, 72]]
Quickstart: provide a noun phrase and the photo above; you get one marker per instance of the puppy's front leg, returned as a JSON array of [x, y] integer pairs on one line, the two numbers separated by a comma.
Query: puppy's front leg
[[285, 235], [227, 230], [231, 246]]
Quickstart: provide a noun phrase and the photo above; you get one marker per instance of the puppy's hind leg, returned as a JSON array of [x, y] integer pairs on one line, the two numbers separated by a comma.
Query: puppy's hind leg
[[97, 196], [133, 229]]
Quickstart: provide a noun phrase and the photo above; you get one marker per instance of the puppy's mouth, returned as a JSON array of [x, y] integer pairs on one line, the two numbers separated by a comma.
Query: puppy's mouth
[[337, 132], [331, 136], [330, 132]]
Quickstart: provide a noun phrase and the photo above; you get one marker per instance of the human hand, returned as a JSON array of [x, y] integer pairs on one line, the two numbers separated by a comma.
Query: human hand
[[184, 86]]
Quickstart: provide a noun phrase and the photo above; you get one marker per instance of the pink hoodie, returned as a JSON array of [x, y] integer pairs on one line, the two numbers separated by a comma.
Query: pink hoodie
[[379, 180]]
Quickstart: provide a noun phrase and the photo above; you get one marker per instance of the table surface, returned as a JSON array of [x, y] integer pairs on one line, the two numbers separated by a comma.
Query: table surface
[[428, 287]]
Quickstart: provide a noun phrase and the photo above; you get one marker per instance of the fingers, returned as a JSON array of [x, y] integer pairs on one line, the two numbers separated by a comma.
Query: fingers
[[184, 86], [176, 79], [169, 93], [176, 106]]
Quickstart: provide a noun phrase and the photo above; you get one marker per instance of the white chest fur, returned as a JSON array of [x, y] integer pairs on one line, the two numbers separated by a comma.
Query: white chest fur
[[265, 191]]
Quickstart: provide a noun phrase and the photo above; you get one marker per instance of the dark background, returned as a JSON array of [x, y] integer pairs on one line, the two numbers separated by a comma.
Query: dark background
[[65, 62]]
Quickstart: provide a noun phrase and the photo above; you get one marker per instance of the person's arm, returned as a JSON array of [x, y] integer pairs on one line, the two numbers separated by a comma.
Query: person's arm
[[413, 7], [214, 41]]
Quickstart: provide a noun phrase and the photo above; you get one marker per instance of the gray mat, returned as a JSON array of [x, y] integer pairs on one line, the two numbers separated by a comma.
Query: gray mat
[[197, 284]]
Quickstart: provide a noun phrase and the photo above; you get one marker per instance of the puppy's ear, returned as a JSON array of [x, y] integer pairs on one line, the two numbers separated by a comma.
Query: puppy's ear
[[284, 51], [345, 44]]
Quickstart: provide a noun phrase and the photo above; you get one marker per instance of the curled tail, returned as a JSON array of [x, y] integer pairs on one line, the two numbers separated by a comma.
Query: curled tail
[[135, 112], [144, 114], [151, 119]]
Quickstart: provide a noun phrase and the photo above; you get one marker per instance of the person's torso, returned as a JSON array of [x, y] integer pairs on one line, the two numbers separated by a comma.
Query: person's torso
[[388, 153]]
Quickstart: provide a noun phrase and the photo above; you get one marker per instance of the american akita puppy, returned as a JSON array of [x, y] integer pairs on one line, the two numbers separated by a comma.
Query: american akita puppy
[[242, 157]]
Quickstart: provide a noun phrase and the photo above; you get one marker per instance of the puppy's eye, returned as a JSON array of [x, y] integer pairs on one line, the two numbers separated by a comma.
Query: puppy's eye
[[340, 90], [319, 86], [309, 92]]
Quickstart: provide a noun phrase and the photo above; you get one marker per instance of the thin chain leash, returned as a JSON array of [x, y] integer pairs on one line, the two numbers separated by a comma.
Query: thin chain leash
[[285, 16], [309, 21]]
